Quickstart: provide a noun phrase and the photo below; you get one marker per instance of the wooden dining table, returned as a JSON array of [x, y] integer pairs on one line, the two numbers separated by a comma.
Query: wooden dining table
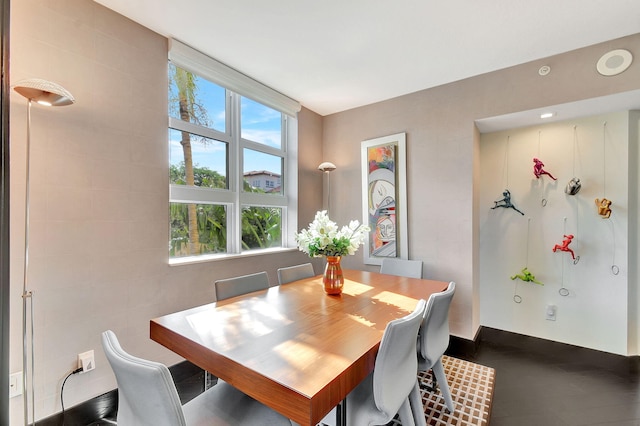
[[293, 347]]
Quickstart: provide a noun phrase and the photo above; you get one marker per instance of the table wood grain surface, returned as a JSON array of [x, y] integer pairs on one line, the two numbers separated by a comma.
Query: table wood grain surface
[[293, 347]]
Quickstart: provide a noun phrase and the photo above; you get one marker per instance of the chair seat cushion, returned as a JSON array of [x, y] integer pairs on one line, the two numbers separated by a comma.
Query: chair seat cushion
[[225, 405]]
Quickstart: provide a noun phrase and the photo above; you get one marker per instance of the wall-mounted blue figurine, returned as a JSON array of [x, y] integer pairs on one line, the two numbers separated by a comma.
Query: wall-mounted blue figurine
[[564, 246], [505, 202], [573, 187], [604, 207], [538, 169], [526, 276]]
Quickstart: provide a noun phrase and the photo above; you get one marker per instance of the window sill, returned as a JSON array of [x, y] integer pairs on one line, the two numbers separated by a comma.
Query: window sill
[[180, 261]]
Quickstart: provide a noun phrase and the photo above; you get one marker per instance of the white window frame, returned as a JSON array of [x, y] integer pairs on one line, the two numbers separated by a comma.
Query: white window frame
[[234, 198]]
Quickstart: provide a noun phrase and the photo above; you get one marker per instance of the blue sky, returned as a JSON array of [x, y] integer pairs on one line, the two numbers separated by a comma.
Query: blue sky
[[259, 124]]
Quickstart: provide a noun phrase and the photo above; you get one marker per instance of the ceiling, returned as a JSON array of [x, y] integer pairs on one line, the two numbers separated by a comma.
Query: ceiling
[[334, 55]]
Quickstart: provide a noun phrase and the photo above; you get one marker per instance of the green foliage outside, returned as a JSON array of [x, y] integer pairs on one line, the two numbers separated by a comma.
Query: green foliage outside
[[260, 225]]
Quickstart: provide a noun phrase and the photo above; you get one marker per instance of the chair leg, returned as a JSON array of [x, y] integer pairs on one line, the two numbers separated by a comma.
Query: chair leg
[[405, 414], [438, 371], [415, 399]]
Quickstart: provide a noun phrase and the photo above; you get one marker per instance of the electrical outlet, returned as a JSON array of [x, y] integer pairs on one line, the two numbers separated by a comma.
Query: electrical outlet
[[15, 384], [86, 361], [551, 312]]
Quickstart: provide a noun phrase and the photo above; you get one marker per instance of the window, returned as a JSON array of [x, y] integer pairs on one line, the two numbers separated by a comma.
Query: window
[[232, 160]]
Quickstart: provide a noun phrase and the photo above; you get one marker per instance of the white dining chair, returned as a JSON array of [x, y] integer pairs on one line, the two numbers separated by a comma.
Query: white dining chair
[[401, 267], [294, 273], [433, 340], [392, 388], [147, 396], [231, 287]]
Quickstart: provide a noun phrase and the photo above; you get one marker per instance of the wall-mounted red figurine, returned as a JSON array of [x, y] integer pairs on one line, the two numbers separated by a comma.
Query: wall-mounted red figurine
[[565, 246], [604, 208], [538, 169]]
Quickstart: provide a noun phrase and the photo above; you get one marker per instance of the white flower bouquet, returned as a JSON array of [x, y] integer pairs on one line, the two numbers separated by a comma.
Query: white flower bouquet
[[322, 237]]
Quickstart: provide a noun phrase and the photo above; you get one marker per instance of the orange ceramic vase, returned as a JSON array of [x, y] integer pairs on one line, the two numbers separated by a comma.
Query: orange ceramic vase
[[333, 279]]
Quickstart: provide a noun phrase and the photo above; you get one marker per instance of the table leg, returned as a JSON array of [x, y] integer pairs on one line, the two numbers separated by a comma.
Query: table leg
[[341, 413]]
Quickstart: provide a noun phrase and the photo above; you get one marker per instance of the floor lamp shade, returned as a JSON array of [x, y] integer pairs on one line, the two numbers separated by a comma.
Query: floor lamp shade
[[46, 93], [327, 167]]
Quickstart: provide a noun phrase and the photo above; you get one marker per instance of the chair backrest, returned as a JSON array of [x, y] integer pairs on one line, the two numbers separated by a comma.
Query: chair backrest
[[244, 284], [394, 374], [434, 331], [146, 392], [401, 267], [294, 273]]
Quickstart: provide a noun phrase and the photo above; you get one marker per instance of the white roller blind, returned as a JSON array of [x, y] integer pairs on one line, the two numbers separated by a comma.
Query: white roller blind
[[192, 60]]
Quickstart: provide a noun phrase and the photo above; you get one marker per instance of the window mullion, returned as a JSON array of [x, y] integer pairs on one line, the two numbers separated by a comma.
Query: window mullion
[[234, 218], [180, 125], [260, 147]]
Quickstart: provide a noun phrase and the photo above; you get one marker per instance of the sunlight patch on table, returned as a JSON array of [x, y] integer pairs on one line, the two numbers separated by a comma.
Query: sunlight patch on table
[[353, 288], [395, 299], [256, 318], [301, 355]]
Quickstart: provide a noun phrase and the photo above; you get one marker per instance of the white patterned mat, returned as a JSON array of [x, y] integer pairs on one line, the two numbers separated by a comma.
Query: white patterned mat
[[471, 388]]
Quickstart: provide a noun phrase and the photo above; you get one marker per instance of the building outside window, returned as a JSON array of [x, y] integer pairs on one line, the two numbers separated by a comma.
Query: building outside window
[[227, 151]]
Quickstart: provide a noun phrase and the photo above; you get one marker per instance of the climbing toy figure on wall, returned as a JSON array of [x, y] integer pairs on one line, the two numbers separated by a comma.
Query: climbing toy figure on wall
[[505, 202], [604, 207], [538, 169], [573, 187], [526, 276], [565, 246]]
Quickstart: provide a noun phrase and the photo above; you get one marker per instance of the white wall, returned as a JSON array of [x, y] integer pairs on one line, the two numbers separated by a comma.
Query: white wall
[[99, 256], [99, 197], [595, 313], [634, 231], [443, 166]]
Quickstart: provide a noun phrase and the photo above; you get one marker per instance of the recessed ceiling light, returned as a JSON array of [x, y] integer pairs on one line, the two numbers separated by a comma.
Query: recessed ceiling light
[[547, 115]]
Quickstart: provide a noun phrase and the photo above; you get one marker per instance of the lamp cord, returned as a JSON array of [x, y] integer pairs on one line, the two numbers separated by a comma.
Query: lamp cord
[[77, 370]]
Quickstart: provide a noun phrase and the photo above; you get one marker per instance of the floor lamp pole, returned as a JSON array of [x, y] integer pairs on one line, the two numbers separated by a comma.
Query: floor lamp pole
[[327, 168], [328, 192], [49, 94], [25, 293]]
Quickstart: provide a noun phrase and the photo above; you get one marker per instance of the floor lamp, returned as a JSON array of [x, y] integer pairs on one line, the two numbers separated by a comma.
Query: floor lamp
[[45, 93], [327, 168]]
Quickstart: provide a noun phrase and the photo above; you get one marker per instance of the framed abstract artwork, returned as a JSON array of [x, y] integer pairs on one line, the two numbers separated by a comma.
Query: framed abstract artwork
[[384, 197]]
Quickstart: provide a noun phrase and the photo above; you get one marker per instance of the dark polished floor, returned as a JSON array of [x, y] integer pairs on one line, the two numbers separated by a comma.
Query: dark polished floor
[[538, 383], [543, 383]]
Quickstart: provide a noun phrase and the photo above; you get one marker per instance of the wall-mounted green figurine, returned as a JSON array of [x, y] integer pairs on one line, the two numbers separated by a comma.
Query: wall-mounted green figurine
[[526, 276]]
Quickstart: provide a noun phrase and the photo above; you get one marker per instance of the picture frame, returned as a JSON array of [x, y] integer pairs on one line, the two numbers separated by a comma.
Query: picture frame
[[384, 197]]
